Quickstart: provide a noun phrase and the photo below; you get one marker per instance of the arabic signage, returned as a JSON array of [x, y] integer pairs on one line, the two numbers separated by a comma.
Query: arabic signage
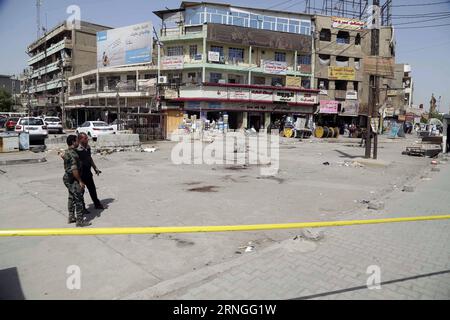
[[328, 106], [123, 46], [341, 73], [293, 81], [379, 66], [213, 56], [350, 108], [171, 63], [346, 23], [274, 67], [351, 95], [246, 106], [241, 94]]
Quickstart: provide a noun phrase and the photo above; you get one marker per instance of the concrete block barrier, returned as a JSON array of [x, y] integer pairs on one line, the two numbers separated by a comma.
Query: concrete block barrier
[[118, 140]]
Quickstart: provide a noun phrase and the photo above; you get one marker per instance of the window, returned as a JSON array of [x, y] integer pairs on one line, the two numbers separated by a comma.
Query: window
[[304, 59], [305, 27], [358, 39], [357, 64], [192, 76], [175, 51], [280, 56], [342, 61], [194, 15], [340, 85], [259, 81], [324, 59], [236, 55], [217, 49], [323, 84], [215, 77], [306, 83], [192, 51], [355, 85], [325, 35], [234, 78], [277, 82], [343, 37]]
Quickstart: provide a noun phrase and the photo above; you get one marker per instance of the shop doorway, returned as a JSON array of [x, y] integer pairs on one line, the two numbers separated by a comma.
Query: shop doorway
[[255, 120]]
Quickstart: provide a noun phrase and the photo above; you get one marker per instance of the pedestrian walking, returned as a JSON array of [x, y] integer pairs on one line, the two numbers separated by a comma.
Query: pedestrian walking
[[74, 184], [87, 164]]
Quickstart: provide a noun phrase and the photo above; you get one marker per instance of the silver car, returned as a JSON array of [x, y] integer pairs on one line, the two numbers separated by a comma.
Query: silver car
[[53, 124]]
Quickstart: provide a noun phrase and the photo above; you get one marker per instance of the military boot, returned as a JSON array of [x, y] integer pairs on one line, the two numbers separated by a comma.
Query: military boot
[[72, 218], [82, 223]]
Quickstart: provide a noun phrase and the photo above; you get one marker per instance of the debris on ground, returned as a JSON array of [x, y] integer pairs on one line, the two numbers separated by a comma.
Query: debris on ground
[[435, 162], [408, 188], [150, 150], [326, 163], [249, 249], [315, 234], [435, 169], [376, 205]]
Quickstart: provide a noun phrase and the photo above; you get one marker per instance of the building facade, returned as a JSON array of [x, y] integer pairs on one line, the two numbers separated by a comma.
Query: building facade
[[342, 50], [250, 65], [62, 52]]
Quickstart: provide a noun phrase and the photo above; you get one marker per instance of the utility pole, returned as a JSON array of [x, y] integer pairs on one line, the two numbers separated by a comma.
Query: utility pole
[[373, 82]]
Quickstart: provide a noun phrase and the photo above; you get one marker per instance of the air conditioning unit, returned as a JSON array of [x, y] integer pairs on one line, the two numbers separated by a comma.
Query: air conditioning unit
[[162, 79]]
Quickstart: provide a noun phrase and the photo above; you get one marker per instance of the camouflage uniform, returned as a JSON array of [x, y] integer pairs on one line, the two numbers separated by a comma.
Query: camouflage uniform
[[75, 199]]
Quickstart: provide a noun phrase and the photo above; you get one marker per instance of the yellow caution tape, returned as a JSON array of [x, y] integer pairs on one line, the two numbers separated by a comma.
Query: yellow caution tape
[[159, 230]]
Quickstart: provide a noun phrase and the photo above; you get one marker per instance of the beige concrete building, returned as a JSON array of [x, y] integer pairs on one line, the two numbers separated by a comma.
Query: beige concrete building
[[341, 50], [62, 52]]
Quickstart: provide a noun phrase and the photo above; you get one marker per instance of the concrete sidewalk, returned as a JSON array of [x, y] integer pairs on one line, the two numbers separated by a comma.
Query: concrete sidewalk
[[414, 259]]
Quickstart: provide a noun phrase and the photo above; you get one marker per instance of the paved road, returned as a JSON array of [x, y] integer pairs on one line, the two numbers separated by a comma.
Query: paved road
[[414, 259]]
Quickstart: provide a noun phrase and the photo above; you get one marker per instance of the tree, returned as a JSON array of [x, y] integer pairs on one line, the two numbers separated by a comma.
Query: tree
[[5, 101]]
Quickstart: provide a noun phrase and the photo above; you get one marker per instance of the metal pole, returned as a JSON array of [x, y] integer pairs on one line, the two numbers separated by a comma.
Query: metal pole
[[373, 85]]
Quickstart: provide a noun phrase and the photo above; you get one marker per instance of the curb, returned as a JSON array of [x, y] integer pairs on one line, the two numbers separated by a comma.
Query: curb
[[22, 161]]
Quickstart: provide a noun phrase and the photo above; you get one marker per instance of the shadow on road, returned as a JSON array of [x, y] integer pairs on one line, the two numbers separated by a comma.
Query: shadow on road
[[10, 288], [347, 155], [97, 213], [329, 293]]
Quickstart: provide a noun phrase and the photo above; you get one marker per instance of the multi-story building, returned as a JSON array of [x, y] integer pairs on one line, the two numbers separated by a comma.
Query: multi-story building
[[102, 93], [342, 49], [58, 54], [252, 65]]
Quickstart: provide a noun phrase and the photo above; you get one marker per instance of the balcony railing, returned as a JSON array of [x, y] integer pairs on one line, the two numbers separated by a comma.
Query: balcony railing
[[66, 43]]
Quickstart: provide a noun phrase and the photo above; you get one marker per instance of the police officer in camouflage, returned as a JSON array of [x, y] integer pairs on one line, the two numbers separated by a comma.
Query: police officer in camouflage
[[74, 184]]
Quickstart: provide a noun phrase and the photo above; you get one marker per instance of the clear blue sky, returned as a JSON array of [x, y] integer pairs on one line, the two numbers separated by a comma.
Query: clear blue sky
[[426, 49]]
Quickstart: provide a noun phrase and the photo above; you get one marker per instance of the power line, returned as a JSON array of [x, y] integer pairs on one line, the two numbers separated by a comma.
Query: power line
[[415, 22], [433, 26], [420, 5]]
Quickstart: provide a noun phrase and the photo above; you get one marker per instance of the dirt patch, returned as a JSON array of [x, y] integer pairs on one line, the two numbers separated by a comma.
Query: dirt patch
[[191, 183], [183, 243], [279, 180], [236, 168], [204, 189]]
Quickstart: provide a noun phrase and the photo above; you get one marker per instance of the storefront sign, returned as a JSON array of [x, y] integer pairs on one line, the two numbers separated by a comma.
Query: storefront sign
[[306, 98], [238, 94], [172, 63], [215, 92], [284, 96], [346, 23], [351, 95], [350, 108], [328, 106], [341, 73], [213, 56], [274, 67], [262, 94], [293, 81]]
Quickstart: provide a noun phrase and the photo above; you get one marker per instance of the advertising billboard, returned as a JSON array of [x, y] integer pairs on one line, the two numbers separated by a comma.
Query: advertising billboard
[[341, 73], [328, 106], [274, 67], [123, 46], [346, 23]]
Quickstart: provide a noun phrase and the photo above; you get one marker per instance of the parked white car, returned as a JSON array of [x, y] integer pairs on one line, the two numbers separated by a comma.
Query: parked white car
[[35, 127], [53, 124], [94, 129]]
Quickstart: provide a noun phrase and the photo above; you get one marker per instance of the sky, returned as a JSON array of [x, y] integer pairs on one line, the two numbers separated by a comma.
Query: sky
[[427, 50]]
